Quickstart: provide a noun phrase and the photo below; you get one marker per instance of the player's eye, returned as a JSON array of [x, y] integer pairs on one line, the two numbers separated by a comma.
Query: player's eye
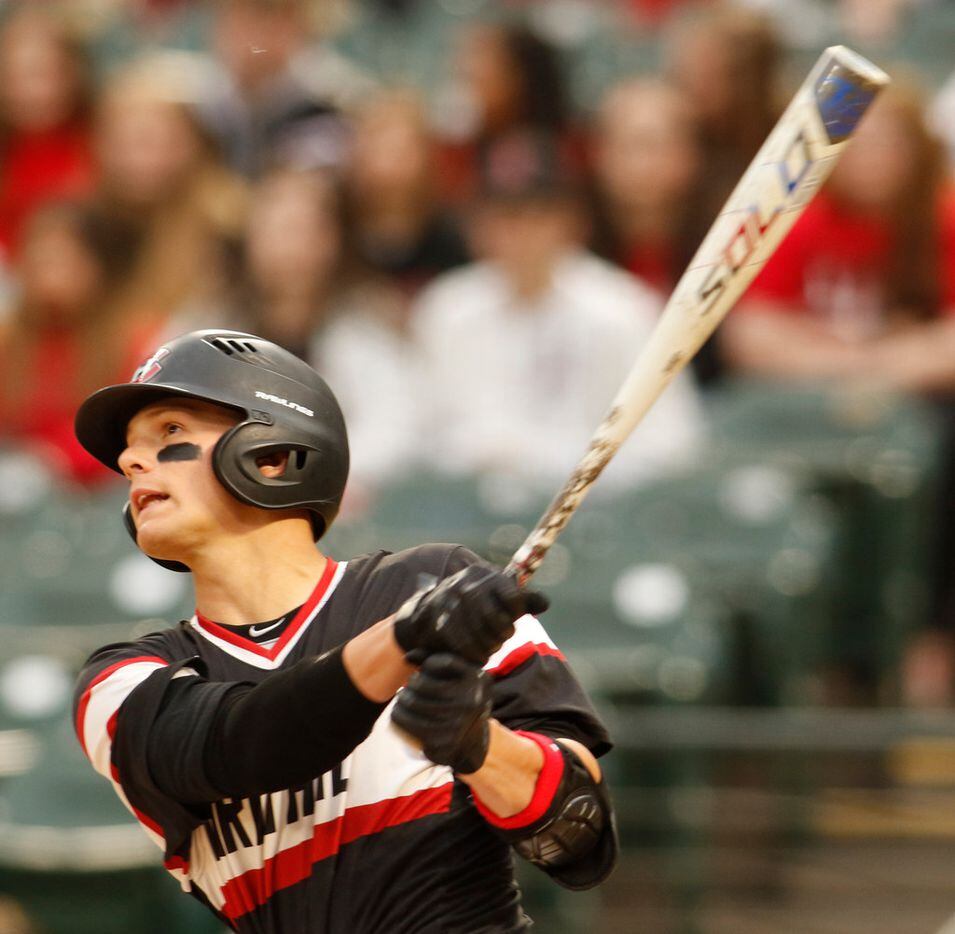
[[172, 428]]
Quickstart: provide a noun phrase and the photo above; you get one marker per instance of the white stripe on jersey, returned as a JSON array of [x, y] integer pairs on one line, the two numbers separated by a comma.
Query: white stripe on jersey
[[251, 658], [383, 767], [97, 709], [102, 701], [528, 631]]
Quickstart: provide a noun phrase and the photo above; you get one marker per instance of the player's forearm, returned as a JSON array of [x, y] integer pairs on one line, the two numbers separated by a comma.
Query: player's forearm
[[506, 782], [278, 734], [376, 663], [330, 704]]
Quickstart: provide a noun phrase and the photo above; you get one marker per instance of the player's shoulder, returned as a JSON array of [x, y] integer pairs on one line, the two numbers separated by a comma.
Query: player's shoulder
[[376, 584], [164, 647], [439, 559]]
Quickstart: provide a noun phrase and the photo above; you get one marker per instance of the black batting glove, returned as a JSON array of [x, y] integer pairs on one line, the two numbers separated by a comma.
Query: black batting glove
[[445, 707], [469, 614]]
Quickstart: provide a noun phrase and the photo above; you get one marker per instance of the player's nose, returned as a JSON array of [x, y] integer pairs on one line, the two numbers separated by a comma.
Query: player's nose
[[136, 459]]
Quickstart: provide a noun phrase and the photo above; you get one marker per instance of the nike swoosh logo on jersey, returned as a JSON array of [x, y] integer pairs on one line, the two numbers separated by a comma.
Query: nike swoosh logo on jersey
[[255, 633]]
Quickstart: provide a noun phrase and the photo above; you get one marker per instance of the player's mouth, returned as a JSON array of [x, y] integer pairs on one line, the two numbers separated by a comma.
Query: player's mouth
[[143, 499]]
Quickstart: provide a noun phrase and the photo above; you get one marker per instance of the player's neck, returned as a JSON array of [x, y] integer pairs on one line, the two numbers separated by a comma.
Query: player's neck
[[255, 577]]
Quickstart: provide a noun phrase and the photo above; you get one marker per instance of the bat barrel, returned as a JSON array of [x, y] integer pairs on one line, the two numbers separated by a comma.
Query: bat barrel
[[858, 65]]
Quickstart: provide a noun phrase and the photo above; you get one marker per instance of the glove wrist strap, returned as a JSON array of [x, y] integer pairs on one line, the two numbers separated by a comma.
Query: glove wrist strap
[[548, 781]]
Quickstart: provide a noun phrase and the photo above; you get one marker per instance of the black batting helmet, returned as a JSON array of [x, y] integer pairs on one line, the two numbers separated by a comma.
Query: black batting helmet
[[285, 406]]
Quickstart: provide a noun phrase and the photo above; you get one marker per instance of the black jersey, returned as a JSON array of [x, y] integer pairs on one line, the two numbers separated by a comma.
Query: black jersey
[[386, 841]]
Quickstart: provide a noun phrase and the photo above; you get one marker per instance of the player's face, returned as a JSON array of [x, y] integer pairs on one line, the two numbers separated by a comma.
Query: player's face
[[177, 504]]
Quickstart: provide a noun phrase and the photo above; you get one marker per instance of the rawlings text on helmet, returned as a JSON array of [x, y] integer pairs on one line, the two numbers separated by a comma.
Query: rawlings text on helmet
[[280, 401]]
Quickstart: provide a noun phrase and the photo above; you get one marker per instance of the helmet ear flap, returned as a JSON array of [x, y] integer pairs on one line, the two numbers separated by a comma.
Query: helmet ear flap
[[235, 462], [134, 535]]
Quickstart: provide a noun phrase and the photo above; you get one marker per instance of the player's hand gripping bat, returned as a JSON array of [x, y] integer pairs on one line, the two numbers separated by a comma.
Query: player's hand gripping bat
[[788, 170]]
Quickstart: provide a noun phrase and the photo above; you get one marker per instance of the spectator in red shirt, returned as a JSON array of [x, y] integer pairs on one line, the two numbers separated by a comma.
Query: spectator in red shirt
[[863, 288], [44, 118], [65, 335], [294, 272]]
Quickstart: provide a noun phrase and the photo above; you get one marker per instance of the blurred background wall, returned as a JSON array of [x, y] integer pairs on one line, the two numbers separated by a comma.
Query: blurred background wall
[[467, 214]]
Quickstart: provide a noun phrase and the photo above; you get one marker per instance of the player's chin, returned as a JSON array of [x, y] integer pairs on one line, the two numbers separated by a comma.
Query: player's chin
[[160, 538]]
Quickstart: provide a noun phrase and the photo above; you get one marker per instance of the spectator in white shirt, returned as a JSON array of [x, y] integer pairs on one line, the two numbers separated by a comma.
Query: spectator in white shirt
[[524, 349]]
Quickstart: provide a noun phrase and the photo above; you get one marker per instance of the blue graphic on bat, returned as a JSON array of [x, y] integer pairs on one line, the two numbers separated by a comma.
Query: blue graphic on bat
[[842, 101]]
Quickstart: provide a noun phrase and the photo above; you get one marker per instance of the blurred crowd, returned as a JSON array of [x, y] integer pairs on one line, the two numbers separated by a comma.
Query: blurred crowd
[[471, 261], [473, 287]]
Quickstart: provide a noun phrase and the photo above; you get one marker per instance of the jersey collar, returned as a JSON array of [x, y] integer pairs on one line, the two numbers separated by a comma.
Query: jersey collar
[[251, 652]]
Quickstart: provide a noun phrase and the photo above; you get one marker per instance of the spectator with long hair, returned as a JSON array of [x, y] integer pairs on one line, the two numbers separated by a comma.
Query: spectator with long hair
[[45, 101], [650, 210], [514, 81], [727, 63], [294, 271], [647, 167], [396, 222], [303, 289], [164, 191], [64, 334]]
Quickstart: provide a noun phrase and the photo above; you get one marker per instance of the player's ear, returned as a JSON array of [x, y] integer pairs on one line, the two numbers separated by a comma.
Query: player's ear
[[272, 465]]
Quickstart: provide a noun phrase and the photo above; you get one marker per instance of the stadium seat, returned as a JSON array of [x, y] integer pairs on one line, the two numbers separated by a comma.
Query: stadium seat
[[432, 507], [73, 580], [74, 858], [876, 461], [699, 571]]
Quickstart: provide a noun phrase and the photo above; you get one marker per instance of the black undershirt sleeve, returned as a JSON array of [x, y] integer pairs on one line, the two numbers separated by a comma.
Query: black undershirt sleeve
[[284, 731]]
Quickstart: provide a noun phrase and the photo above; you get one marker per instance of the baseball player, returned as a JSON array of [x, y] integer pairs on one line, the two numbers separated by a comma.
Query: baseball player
[[326, 746]]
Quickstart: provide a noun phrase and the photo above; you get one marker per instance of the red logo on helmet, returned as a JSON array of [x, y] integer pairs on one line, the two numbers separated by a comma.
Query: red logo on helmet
[[150, 368]]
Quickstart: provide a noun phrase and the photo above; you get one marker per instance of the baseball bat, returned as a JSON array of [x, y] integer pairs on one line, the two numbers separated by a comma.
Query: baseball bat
[[788, 170]]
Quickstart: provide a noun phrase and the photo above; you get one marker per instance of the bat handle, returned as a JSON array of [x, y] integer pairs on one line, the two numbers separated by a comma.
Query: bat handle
[[524, 563], [518, 573]]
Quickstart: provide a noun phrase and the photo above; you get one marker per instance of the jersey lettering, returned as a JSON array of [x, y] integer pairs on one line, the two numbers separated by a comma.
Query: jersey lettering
[[227, 832]]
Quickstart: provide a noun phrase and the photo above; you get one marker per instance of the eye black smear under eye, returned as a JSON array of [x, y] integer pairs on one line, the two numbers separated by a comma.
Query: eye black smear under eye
[[184, 451]]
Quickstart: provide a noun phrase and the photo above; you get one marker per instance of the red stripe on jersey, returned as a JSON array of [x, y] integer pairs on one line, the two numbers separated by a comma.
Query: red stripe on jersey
[[253, 888], [233, 638], [147, 821], [144, 819], [521, 654], [99, 679]]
